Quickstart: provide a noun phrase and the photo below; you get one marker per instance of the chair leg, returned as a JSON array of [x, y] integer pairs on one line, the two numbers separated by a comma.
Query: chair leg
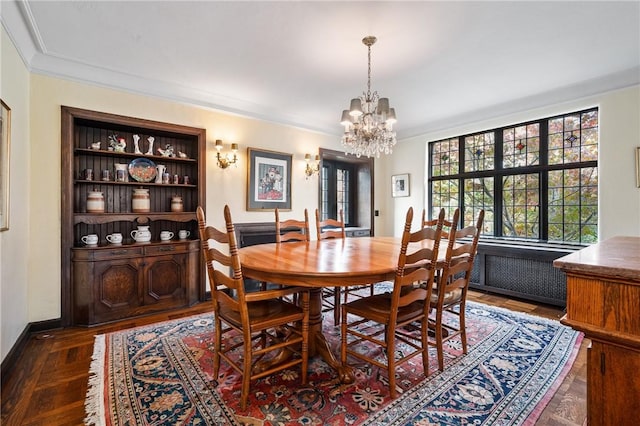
[[336, 305], [424, 335], [391, 361], [343, 337], [463, 329], [439, 338], [246, 374], [217, 346], [305, 337]]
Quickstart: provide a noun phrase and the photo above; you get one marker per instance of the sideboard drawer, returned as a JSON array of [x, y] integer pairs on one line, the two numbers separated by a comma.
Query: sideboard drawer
[[105, 253]]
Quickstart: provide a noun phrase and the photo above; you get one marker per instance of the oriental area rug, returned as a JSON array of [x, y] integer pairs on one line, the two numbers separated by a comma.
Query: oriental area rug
[[161, 374]]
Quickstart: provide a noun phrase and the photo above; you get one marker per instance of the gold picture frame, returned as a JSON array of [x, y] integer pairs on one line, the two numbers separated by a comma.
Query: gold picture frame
[[5, 131]]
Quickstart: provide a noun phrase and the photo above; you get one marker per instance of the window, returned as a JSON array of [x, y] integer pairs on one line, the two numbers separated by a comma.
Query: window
[[536, 181]]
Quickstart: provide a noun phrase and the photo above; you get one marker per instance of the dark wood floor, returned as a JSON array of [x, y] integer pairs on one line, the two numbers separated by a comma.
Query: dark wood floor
[[49, 384]]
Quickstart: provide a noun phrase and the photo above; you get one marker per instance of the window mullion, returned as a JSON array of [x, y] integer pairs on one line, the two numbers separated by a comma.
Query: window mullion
[[543, 207]]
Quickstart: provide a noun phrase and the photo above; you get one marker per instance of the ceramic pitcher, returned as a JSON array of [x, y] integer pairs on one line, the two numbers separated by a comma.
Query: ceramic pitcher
[[141, 235]]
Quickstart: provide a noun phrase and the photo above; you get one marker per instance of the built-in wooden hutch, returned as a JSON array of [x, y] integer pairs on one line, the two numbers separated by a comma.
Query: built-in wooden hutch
[[106, 282]]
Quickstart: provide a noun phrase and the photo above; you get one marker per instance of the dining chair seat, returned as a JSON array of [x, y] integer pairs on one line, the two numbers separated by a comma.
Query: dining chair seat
[[449, 296], [261, 312], [378, 308]]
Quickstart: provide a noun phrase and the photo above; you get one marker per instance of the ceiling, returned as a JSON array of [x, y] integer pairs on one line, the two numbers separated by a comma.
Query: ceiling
[[299, 63]]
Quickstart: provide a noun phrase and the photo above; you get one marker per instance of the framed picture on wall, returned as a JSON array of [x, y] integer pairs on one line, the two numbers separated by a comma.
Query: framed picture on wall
[[268, 180], [400, 185], [5, 131]]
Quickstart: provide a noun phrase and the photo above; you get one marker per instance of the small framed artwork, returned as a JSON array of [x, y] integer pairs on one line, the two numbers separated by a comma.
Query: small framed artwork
[[400, 185], [5, 131], [268, 180]]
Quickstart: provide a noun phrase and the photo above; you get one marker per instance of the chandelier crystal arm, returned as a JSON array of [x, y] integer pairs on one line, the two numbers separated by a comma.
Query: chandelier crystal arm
[[368, 123]]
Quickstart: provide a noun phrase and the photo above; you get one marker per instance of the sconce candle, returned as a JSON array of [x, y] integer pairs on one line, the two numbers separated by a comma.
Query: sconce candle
[[226, 160], [310, 170]]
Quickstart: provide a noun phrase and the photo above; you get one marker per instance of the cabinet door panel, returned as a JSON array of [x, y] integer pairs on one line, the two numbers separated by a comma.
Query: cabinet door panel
[[117, 288], [613, 389], [165, 279]]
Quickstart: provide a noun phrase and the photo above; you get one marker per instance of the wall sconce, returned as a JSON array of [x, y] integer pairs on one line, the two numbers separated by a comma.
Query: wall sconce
[[226, 160], [310, 170]]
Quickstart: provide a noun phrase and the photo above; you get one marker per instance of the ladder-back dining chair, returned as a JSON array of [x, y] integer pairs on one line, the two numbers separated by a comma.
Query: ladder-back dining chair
[[396, 314], [266, 323], [328, 229], [449, 293], [292, 229]]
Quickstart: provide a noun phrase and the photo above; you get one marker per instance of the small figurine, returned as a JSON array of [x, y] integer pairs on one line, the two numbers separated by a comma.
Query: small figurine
[[96, 145], [136, 138], [118, 144], [167, 151], [150, 150], [182, 154]]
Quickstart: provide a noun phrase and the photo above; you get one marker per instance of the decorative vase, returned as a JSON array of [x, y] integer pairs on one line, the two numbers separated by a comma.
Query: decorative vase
[[141, 235], [95, 202], [136, 144], [176, 204], [161, 169], [150, 150], [140, 201]]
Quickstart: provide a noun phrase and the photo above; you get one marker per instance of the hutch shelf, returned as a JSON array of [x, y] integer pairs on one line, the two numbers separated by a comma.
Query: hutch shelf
[[107, 282]]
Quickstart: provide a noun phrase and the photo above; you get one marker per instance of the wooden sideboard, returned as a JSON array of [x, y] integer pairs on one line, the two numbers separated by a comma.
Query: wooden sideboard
[[603, 301]]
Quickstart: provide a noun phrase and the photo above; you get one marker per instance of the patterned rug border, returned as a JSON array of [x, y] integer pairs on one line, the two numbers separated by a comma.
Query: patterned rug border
[[95, 403]]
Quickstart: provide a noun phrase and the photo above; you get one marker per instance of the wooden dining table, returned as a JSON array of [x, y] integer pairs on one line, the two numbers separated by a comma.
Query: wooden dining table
[[326, 263]]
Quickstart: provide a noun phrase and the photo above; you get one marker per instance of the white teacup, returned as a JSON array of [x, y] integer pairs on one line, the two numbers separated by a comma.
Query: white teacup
[[90, 240], [183, 234], [115, 238], [166, 235]]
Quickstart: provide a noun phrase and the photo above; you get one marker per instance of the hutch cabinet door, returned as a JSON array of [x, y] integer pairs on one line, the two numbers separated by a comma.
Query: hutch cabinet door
[[165, 280], [117, 288]]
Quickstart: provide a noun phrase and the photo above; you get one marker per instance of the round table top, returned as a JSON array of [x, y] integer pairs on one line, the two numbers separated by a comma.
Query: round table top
[[332, 262]]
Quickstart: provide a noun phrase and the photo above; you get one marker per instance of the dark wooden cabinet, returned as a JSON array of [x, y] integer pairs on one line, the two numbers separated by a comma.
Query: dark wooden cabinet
[[603, 301], [112, 283], [107, 282]]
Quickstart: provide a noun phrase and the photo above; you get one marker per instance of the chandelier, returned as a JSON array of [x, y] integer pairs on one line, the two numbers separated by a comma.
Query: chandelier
[[368, 124]]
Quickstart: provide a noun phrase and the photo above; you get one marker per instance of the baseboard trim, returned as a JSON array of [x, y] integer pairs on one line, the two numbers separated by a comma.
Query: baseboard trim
[[16, 350]]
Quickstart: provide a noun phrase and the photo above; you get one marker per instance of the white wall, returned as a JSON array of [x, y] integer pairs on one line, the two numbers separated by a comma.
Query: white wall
[[619, 199], [14, 243]]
